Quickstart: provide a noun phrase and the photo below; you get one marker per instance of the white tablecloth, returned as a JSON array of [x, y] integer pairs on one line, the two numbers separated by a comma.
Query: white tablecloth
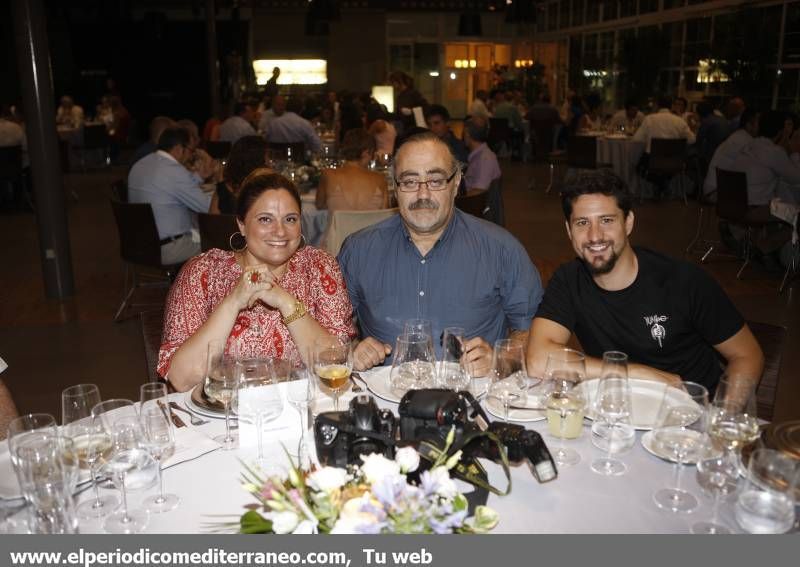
[[623, 155], [578, 501]]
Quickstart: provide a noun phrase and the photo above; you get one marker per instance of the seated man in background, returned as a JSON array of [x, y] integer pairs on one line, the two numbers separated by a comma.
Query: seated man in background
[[483, 168], [174, 193], [288, 127], [669, 316], [438, 119], [628, 119], [435, 262], [353, 187], [240, 124], [728, 154], [157, 127], [711, 132]]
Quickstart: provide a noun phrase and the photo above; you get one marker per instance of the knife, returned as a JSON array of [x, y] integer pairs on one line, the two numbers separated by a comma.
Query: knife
[[176, 421]]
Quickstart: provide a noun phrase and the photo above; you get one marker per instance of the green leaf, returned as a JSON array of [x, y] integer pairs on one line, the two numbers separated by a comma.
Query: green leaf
[[254, 523]]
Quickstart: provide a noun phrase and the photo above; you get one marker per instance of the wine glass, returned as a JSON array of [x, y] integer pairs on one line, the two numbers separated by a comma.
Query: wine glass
[[766, 503], [717, 475], [680, 427], [77, 402], [453, 371], [420, 328], [732, 421], [565, 402], [612, 407], [257, 397], [300, 392], [26, 426], [158, 438], [219, 385], [333, 363], [508, 375], [413, 364]]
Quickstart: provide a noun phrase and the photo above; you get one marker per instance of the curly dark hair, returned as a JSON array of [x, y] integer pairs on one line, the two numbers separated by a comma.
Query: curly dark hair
[[247, 154], [603, 182]]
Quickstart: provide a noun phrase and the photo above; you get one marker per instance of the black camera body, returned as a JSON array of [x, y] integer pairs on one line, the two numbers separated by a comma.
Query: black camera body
[[341, 437]]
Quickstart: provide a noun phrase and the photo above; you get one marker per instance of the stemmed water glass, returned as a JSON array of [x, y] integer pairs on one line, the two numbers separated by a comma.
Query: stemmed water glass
[[717, 475], [732, 421], [333, 363], [300, 392], [453, 370], [509, 378], [158, 438], [413, 364], [77, 402], [219, 385], [564, 372], [679, 433], [257, 397], [767, 500], [613, 407]]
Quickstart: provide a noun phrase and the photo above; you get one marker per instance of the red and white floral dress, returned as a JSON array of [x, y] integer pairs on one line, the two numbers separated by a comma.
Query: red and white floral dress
[[312, 276]]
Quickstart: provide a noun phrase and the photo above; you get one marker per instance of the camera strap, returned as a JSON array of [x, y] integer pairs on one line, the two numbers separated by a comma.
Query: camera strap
[[469, 469]]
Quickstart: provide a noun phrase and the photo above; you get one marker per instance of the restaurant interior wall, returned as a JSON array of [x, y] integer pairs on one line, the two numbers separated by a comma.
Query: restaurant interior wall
[[596, 29]]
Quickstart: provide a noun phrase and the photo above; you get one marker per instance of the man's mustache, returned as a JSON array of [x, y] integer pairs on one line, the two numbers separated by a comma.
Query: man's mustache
[[423, 204]]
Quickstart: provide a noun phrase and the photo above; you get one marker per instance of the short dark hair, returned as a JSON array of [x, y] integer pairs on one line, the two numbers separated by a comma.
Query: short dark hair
[[602, 181], [770, 123], [356, 142], [421, 135], [240, 107], [294, 104], [172, 137], [747, 116], [665, 101], [255, 184], [704, 108], [630, 103], [437, 110], [683, 100], [247, 154], [478, 130]]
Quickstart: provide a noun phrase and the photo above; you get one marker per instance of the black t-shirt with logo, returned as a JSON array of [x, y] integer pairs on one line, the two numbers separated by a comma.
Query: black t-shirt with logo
[[668, 318]]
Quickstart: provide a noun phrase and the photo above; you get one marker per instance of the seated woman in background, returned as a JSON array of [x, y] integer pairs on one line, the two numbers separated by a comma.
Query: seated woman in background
[[353, 187], [272, 298], [247, 154], [385, 136]]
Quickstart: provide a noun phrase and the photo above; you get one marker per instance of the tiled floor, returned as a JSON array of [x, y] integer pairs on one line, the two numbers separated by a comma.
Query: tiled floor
[[50, 345]]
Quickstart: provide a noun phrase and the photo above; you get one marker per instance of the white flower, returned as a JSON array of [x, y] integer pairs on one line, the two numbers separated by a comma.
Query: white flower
[[445, 487], [408, 459], [284, 522], [306, 527], [327, 479], [377, 466], [351, 516]]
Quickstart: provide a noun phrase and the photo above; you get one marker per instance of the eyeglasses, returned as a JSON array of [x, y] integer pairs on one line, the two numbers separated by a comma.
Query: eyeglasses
[[434, 184]]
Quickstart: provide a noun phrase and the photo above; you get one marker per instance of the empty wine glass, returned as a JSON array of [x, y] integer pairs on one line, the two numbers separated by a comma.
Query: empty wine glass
[[766, 503], [413, 364], [333, 363], [453, 371], [508, 376], [257, 397], [419, 328], [77, 402], [158, 438], [25, 426], [564, 372], [717, 475], [612, 407], [679, 433], [219, 385], [300, 392]]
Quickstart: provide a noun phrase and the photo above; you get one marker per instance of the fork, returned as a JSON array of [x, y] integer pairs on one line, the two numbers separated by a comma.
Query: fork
[[356, 388], [192, 417]]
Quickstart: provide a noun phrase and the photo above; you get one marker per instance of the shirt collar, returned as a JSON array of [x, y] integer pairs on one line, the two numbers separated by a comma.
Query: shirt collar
[[167, 155], [662, 110]]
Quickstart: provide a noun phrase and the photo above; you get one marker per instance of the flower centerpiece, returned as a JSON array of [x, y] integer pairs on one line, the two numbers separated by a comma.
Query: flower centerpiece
[[373, 497]]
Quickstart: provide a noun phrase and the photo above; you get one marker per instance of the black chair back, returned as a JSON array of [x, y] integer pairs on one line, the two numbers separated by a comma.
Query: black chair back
[[218, 150], [138, 235], [476, 204], [279, 150], [542, 137], [11, 163], [152, 323], [499, 132], [95, 137], [119, 190], [667, 156], [731, 195], [582, 152], [216, 231]]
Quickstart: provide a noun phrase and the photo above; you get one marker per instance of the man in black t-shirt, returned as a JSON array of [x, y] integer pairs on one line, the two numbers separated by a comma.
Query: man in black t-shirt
[[670, 317]]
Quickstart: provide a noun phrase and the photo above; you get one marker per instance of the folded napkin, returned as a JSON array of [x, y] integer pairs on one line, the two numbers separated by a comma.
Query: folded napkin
[[189, 444]]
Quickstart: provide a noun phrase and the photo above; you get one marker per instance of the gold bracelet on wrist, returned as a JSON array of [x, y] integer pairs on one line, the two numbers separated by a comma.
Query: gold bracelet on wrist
[[298, 313]]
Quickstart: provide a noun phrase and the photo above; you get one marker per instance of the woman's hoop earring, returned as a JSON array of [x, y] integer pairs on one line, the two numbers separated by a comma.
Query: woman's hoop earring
[[232, 247], [303, 242]]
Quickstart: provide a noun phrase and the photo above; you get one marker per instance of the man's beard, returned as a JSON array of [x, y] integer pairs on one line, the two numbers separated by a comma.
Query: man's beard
[[605, 267]]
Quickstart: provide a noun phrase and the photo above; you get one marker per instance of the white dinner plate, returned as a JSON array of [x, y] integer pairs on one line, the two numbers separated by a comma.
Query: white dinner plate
[[650, 445], [495, 407], [377, 381], [646, 396]]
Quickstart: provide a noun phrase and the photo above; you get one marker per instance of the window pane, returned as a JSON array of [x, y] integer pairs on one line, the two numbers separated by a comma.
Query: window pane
[[577, 12], [592, 11], [563, 21]]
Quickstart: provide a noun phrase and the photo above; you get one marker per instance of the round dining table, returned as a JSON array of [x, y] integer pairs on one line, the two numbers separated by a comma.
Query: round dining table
[[623, 153], [208, 481]]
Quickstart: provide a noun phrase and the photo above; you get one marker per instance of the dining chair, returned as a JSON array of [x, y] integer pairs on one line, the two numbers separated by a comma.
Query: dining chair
[[667, 161], [140, 250], [494, 195], [12, 181], [216, 231], [152, 324], [476, 204], [218, 150], [95, 138], [771, 339], [499, 134], [794, 262], [342, 224], [119, 190]]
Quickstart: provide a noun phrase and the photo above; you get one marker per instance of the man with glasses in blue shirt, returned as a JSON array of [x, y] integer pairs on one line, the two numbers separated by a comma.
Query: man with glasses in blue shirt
[[435, 262]]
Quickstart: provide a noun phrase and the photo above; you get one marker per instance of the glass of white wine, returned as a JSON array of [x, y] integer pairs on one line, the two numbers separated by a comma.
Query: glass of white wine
[[732, 421], [333, 363], [159, 439], [565, 402], [220, 384]]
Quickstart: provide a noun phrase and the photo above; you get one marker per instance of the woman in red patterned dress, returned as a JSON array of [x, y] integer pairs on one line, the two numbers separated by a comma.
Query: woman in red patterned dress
[[272, 298]]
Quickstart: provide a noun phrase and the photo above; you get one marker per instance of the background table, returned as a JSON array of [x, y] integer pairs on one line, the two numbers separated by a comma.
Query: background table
[[314, 221], [623, 154]]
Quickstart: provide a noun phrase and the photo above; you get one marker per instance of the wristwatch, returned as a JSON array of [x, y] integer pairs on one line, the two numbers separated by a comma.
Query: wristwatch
[[298, 313]]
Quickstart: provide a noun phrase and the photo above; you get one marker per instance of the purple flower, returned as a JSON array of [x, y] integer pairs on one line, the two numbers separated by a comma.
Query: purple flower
[[448, 523]]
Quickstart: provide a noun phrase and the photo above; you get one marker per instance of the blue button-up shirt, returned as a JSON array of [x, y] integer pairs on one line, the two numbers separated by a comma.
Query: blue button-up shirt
[[477, 276]]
